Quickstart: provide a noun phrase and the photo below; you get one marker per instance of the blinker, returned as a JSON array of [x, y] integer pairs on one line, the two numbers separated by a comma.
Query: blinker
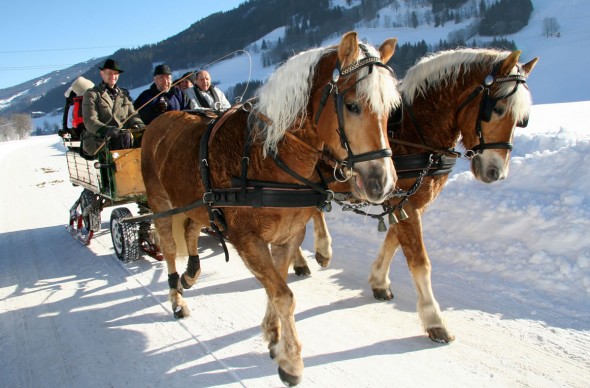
[[488, 80]]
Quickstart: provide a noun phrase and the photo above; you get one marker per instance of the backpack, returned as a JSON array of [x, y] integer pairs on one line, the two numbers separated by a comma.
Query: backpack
[[74, 96]]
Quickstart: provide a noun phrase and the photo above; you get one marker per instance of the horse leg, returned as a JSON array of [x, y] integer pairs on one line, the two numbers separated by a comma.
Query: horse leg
[[322, 239], [410, 237], [379, 277], [300, 264], [278, 325], [323, 246], [279, 321], [168, 246], [193, 266]]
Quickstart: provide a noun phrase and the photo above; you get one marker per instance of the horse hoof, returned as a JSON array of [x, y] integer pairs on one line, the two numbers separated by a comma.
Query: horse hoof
[[185, 285], [382, 294], [440, 335], [302, 271], [288, 379], [181, 312], [322, 260], [272, 350]]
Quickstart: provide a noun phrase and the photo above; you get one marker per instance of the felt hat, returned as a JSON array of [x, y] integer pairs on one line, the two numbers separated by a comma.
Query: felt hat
[[162, 69], [111, 64], [191, 76]]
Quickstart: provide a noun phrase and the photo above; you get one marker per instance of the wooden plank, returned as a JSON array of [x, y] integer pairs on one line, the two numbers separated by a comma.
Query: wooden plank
[[128, 178]]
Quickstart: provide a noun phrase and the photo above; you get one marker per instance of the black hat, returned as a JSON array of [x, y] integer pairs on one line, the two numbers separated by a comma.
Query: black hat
[[111, 64], [162, 69], [190, 76]]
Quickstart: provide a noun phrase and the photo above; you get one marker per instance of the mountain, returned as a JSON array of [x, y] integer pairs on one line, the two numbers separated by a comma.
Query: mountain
[[272, 30]]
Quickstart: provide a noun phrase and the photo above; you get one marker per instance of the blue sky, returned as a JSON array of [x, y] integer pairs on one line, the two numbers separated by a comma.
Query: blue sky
[[40, 36]]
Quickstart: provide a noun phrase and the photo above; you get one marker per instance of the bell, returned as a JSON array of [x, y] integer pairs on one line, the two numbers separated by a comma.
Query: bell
[[327, 207], [382, 227], [403, 215], [392, 219]]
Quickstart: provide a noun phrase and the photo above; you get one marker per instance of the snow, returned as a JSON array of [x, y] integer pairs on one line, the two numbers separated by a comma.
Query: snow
[[511, 270]]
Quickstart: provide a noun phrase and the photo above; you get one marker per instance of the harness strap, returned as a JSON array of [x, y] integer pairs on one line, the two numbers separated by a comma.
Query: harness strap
[[167, 213], [411, 166], [259, 197], [279, 162]]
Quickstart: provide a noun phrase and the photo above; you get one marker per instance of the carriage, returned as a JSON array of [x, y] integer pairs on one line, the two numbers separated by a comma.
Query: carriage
[[111, 180]]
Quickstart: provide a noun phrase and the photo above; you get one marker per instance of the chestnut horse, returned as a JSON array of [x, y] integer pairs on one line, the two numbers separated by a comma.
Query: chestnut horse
[[277, 138], [477, 96]]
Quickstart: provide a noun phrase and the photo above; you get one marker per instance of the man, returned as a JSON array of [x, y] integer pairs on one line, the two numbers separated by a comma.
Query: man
[[187, 81], [207, 95], [107, 109], [187, 84], [161, 96]]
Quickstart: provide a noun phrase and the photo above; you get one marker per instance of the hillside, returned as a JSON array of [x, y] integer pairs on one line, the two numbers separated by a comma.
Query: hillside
[[293, 26]]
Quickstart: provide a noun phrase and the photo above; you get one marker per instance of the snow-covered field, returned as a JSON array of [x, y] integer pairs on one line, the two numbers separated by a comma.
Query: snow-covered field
[[511, 270]]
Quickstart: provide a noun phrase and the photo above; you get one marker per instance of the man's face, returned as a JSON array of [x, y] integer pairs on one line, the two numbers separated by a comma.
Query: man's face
[[163, 82], [204, 81], [185, 84], [110, 77]]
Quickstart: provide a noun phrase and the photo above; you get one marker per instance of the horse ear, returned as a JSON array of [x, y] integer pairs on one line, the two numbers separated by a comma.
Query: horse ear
[[348, 50], [387, 49], [528, 67], [510, 62]]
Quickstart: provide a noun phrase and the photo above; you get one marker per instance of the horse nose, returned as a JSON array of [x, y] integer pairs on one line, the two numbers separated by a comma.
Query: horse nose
[[379, 184], [493, 174], [375, 186]]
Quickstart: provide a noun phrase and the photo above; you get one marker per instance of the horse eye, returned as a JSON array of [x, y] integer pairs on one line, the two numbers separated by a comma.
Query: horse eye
[[353, 107], [498, 110]]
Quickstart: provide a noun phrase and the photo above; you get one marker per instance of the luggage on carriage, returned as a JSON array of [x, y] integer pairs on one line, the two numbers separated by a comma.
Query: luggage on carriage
[[72, 122]]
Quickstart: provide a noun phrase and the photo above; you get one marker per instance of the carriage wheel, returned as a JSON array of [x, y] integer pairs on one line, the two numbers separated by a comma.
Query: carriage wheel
[[125, 236], [84, 223], [90, 209]]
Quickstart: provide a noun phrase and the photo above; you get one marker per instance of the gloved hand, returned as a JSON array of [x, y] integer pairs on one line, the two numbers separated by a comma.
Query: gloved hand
[[111, 132], [161, 105], [137, 129]]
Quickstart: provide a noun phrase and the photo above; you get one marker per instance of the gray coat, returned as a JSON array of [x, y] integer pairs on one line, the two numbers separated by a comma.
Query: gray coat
[[100, 111]]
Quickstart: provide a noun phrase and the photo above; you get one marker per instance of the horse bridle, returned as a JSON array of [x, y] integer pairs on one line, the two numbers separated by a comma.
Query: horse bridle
[[487, 105], [332, 89]]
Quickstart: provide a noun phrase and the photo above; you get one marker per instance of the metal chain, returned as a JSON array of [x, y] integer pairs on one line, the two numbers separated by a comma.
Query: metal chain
[[388, 209]]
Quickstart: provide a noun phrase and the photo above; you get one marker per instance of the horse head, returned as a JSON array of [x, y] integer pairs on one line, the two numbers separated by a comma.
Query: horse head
[[353, 123], [499, 104]]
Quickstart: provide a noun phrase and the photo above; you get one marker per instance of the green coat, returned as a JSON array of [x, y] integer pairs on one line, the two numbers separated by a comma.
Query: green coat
[[99, 111]]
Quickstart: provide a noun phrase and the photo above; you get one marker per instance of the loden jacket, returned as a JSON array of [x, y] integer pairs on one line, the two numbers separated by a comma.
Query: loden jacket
[[100, 111]]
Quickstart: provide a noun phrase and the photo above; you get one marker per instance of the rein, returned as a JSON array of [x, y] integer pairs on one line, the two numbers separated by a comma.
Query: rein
[[440, 160]]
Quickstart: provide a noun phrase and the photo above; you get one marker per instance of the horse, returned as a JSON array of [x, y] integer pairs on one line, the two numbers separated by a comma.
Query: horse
[[475, 96], [245, 171]]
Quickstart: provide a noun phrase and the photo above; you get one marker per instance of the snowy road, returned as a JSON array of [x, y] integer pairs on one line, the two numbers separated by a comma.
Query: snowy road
[[73, 316]]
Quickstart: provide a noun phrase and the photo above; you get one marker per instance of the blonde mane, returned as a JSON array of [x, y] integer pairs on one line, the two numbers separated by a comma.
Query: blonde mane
[[442, 69], [285, 96]]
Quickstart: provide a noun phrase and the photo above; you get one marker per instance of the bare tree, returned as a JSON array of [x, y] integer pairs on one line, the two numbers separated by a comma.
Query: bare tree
[[23, 124], [550, 26], [15, 127]]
